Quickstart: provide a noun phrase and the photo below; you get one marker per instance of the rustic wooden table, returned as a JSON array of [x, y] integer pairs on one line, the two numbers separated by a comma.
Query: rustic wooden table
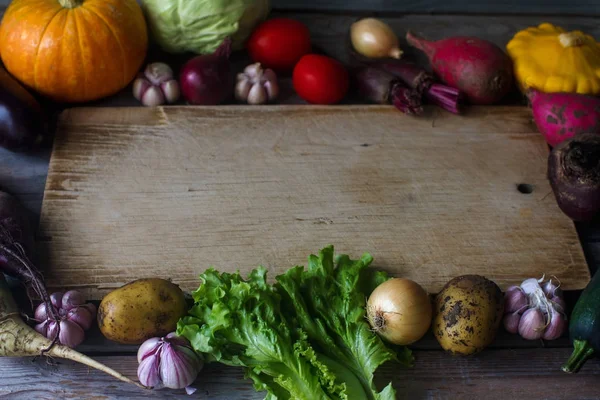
[[511, 368]]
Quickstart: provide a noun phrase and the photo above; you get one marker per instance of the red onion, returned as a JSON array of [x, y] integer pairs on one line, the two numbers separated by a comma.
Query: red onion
[[207, 79]]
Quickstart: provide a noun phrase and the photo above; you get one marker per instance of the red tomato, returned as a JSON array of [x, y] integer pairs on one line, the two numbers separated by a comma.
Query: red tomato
[[279, 43], [320, 79]]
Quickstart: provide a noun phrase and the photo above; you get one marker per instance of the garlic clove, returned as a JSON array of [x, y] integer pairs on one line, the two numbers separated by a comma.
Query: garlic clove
[[171, 91], [91, 308], [148, 348], [148, 371], [254, 71], [532, 325], [556, 327], [511, 322], [40, 313], [515, 301], [81, 316], [140, 86], [42, 328], [56, 299], [72, 299], [269, 76], [272, 89], [52, 330], [559, 304], [551, 290], [158, 73], [176, 370], [257, 94], [71, 334], [195, 360], [153, 97], [242, 89], [530, 286]]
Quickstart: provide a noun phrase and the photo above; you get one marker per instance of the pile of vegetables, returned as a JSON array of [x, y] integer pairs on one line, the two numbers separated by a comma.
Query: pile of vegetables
[[306, 336]]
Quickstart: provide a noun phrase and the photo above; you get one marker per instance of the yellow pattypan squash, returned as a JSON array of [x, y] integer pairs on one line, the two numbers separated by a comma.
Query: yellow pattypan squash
[[549, 59]]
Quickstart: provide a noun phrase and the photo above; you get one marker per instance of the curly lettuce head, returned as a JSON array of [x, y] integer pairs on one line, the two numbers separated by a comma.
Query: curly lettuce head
[[199, 26]]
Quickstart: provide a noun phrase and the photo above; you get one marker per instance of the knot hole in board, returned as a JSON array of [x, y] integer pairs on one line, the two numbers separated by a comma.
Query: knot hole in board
[[525, 188]]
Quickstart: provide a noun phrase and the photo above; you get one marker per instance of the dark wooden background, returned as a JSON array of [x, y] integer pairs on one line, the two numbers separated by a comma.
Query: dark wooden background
[[511, 368]]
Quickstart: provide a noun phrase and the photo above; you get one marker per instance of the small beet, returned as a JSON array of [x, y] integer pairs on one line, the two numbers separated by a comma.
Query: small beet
[[574, 174], [559, 116], [476, 67]]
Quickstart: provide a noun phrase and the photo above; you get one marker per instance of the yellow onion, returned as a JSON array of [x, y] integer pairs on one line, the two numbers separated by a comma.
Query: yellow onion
[[374, 38], [400, 311]]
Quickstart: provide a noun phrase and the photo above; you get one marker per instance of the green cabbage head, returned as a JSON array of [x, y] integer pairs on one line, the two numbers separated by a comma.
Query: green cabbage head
[[199, 26]]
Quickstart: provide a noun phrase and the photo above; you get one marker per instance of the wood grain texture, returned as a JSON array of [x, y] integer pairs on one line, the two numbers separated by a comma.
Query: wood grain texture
[[494, 374], [560, 7], [171, 191]]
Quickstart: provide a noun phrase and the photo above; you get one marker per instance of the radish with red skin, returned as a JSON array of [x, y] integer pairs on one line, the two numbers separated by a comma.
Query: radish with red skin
[[476, 67], [574, 174], [560, 116]]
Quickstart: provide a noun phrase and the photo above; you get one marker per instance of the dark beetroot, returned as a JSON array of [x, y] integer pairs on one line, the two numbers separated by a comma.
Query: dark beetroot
[[574, 174], [476, 67]]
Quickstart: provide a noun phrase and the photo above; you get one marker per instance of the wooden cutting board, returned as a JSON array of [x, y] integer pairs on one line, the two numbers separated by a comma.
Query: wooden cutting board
[[169, 192]]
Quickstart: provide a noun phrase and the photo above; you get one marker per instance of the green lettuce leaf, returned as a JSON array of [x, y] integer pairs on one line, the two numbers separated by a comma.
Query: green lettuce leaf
[[328, 302], [239, 322]]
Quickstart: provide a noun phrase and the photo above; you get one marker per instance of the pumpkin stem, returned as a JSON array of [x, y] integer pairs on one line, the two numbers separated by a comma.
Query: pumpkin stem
[[70, 3], [570, 39]]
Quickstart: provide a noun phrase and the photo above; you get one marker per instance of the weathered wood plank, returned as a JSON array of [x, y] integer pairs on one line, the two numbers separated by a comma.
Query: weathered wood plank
[[493, 374], [170, 191]]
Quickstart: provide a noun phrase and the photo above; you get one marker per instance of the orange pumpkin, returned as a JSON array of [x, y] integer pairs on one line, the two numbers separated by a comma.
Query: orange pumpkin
[[74, 50]]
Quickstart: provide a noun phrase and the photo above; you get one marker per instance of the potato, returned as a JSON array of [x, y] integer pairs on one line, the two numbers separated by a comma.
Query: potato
[[140, 310], [467, 314]]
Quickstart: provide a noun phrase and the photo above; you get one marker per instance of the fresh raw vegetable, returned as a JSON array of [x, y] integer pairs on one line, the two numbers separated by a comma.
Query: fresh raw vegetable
[[423, 83], [304, 337], [75, 317], [207, 79], [256, 85], [574, 174], [560, 116], [73, 50], [156, 86], [374, 38], [200, 26], [140, 310], [379, 86], [320, 79], [584, 326], [399, 310], [168, 362], [22, 123], [16, 244], [476, 67], [279, 43], [17, 339], [550, 59], [468, 312], [535, 309]]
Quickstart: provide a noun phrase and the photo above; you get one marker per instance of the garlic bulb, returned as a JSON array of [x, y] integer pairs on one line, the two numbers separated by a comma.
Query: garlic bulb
[[256, 86], [168, 362], [156, 86], [75, 316], [535, 309]]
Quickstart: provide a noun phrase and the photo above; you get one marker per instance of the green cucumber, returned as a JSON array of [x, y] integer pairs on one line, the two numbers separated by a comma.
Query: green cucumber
[[584, 326]]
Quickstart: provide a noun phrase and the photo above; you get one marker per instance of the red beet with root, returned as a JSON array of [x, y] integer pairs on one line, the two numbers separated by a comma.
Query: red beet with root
[[574, 174], [560, 116], [476, 67]]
